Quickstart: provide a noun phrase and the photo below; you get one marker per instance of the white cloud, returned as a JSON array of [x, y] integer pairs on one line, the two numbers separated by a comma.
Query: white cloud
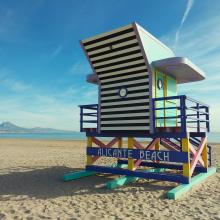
[[31, 111], [42, 109], [186, 13]]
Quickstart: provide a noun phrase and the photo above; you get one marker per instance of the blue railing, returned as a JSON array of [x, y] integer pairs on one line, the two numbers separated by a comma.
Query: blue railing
[[181, 112], [88, 117]]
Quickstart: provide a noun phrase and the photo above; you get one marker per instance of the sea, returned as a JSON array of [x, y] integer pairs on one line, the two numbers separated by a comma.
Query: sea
[[213, 137]]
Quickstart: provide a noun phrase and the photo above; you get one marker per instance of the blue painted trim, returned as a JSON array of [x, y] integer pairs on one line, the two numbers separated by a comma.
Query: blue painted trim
[[157, 176], [91, 107], [154, 117], [183, 118], [138, 134], [167, 108], [197, 134], [167, 156], [169, 98], [185, 114], [81, 119], [142, 134], [198, 169]]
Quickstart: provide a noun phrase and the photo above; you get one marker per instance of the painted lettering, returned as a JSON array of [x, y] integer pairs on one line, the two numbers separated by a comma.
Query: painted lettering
[[166, 156], [109, 153], [129, 153], [124, 153], [147, 155], [115, 153], [119, 153], [141, 154], [159, 155], [99, 152], [154, 155]]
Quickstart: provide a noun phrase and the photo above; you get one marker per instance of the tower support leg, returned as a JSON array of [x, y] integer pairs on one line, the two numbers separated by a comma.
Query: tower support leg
[[205, 155], [130, 146], [89, 144], [186, 148], [157, 145]]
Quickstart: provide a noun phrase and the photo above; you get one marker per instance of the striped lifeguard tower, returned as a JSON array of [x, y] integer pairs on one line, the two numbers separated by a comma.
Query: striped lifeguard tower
[[137, 78]]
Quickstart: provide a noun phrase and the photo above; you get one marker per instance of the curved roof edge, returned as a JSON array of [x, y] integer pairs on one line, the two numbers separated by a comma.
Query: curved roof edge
[[181, 68]]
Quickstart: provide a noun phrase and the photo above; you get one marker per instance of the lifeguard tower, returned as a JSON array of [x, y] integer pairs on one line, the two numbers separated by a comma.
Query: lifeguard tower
[[137, 78]]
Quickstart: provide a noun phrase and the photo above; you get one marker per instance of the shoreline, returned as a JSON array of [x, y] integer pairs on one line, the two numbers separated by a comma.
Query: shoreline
[[40, 139], [66, 140]]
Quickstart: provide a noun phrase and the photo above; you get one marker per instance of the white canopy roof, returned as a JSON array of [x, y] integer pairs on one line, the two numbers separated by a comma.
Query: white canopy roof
[[180, 68]]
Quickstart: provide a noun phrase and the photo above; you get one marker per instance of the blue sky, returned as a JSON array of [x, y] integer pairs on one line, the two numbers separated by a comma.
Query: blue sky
[[43, 68]]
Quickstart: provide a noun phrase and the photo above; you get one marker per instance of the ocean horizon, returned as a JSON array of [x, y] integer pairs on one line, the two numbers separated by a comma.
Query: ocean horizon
[[213, 137]]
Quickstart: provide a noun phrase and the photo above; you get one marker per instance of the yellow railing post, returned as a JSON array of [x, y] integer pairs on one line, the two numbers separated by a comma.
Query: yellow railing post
[[157, 145], [89, 144], [185, 148], [205, 155], [130, 160]]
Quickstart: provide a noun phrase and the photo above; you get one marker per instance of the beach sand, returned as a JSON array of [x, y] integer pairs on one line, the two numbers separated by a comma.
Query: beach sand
[[31, 188]]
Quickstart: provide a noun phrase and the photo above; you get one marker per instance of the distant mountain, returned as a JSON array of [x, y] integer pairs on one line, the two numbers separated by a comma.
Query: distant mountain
[[8, 127]]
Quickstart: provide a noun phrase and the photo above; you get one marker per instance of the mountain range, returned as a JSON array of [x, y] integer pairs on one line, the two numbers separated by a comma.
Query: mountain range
[[8, 127]]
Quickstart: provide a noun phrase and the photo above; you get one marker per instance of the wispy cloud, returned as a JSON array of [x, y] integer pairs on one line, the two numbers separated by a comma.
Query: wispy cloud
[[185, 15], [57, 51], [80, 67], [204, 50], [7, 81]]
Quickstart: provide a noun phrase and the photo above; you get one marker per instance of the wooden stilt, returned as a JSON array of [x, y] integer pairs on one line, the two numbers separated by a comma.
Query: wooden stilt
[[130, 160], [89, 144], [157, 145], [185, 148], [205, 155]]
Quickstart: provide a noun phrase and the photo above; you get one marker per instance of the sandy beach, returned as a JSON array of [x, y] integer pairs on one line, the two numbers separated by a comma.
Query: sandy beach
[[31, 188]]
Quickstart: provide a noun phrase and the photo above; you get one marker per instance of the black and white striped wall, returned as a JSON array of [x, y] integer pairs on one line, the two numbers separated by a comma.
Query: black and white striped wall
[[123, 74]]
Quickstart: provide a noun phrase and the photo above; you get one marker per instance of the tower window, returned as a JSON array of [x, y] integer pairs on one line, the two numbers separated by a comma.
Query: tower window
[[159, 83]]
